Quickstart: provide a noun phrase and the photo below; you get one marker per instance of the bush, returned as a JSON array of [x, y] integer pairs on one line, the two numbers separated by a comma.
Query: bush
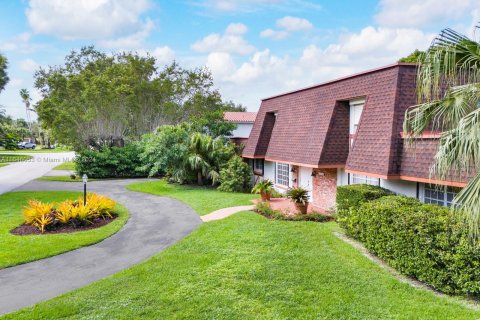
[[235, 176], [109, 162], [266, 210], [424, 241], [46, 215], [355, 194]]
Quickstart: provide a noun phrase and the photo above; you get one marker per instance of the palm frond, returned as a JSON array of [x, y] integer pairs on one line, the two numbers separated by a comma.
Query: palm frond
[[452, 59], [467, 204]]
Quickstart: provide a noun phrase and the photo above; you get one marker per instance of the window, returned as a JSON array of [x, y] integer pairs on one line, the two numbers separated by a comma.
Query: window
[[438, 194], [282, 176], [360, 179], [258, 166], [356, 109]]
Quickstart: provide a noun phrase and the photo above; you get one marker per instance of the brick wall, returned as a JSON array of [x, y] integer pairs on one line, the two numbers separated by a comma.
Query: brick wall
[[324, 189]]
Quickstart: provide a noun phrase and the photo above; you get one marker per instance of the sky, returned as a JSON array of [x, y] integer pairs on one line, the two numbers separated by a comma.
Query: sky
[[254, 48]]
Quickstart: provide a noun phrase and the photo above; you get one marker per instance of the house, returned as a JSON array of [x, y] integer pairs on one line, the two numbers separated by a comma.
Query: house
[[244, 122], [347, 131]]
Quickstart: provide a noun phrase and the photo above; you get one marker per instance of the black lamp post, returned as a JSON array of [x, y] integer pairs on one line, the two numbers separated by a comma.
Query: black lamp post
[[85, 179]]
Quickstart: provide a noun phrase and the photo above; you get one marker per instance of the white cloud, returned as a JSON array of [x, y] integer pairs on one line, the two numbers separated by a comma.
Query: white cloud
[[16, 83], [20, 43], [287, 25], [274, 34], [164, 55], [228, 42], [265, 74], [294, 24], [239, 6], [236, 28], [28, 65], [88, 19], [134, 40], [414, 13], [221, 64]]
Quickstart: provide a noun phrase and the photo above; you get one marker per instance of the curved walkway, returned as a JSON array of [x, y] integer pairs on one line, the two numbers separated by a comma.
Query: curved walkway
[[225, 212], [154, 224]]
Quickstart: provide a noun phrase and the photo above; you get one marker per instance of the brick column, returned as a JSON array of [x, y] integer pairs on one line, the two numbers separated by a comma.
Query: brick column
[[324, 189]]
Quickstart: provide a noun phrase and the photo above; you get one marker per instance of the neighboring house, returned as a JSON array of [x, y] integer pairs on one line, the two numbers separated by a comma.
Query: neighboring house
[[244, 122], [347, 131]]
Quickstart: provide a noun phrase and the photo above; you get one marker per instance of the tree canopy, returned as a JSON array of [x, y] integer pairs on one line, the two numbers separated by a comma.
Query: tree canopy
[[99, 100], [413, 57], [3, 72]]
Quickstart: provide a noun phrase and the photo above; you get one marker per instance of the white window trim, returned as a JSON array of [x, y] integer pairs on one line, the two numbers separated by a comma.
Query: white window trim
[[281, 185], [364, 179], [442, 188]]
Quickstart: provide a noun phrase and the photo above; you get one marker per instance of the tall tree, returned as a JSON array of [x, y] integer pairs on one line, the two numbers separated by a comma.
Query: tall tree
[[25, 95], [3, 72], [96, 99], [448, 86]]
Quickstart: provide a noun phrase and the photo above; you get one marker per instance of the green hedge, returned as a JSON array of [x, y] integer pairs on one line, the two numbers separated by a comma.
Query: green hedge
[[424, 241], [111, 162], [355, 194]]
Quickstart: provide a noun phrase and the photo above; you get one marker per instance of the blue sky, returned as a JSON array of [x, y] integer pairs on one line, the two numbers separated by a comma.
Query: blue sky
[[254, 48]]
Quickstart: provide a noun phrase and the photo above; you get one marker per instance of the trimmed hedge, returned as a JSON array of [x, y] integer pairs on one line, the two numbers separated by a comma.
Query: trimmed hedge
[[114, 162], [355, 194], [421, 240]]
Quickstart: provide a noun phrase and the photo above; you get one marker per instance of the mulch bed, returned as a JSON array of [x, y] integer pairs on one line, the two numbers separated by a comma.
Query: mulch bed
[[25, 230]]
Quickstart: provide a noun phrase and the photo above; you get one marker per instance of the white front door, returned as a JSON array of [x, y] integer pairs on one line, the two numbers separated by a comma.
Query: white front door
[[305, 180]]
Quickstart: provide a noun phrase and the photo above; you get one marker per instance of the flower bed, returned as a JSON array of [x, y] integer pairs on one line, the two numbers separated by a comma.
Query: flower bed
[[68, 216]]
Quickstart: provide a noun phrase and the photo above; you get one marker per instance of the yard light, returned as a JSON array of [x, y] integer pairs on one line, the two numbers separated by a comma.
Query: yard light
[[85, 179]]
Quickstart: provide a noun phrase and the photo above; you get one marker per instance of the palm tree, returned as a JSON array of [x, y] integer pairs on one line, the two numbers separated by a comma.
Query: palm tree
[[448, 86], [25, 95], [200, 157]]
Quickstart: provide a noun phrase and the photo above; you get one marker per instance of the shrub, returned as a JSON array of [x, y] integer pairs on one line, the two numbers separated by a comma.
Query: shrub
[[424, 241], [298, 195], [110, 162], [235, 176], [266, 210], [43, 215], [35, 210], [355, 194]]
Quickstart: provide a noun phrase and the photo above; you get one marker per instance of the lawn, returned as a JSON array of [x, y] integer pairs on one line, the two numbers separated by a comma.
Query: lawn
[[249, 267], [64, 179], [202, 199], [3, 164], [37, 150], [5, 158], [67, 165], [20, 249]]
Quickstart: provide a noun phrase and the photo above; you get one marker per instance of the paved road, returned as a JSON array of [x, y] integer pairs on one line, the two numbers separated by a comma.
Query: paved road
[[18, 173], [154, 224]]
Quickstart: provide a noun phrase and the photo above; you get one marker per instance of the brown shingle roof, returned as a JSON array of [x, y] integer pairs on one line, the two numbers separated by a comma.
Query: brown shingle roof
[[312, 123], [240, 116]]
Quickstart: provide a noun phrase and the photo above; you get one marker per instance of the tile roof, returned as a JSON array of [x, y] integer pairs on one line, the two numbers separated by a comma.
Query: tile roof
[[240, 116]]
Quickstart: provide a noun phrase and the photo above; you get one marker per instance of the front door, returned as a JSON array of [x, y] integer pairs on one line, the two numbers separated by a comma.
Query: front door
[[305, 180]]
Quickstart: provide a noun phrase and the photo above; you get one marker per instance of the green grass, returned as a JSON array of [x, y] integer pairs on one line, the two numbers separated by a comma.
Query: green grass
[[3, 164], [4, 158], [37, 150], [20, 249], [67, 165], [249, 267], [64, 179], [202, 199]]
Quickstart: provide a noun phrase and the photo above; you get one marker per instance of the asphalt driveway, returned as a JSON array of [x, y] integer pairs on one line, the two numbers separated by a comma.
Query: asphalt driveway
[[154, 224], [16, 174]]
